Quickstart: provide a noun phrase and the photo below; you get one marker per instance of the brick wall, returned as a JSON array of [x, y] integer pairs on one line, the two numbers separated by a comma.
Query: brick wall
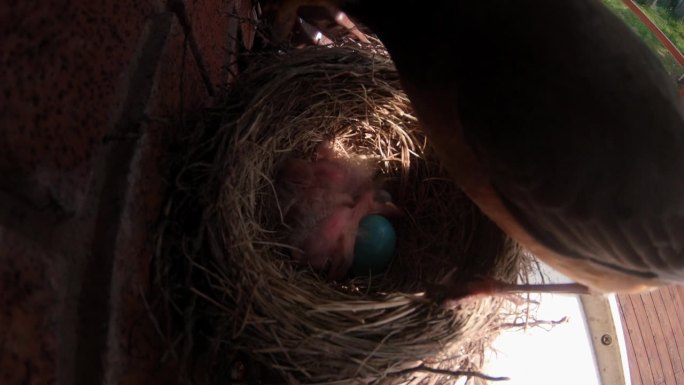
[[89, 92]]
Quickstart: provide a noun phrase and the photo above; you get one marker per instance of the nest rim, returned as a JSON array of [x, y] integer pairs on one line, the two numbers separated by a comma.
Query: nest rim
[[245, 295]]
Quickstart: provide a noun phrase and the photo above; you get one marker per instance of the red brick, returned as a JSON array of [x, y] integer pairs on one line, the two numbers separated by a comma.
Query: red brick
[[30, 313], [60, 70], [210, 21], [64, 76], [178, 86], [136, 348]]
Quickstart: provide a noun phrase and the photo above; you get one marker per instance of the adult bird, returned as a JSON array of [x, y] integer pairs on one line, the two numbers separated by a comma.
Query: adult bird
[[554, 118]]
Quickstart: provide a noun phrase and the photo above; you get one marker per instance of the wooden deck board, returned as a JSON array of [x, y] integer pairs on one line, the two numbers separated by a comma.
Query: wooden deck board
[[653, 324], [645, 374], [678, 295], [647, 337], [669, 334], [634, 373], [659, 342], [671, 306]]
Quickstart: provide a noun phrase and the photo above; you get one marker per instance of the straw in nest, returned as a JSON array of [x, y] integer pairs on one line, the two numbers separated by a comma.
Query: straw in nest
[[256, 302]]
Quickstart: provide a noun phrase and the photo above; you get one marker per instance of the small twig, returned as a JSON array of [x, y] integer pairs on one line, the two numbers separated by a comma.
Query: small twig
[[150, 313], [453, 373], [535, 323], [548, 288], [179, 9], [170, 349]]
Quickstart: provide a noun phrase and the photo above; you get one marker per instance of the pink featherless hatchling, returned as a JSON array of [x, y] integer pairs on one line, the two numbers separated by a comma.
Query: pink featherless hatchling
[[323, 202]]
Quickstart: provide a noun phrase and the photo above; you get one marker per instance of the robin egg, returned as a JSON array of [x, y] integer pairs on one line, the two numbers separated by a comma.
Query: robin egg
[[375, 244]]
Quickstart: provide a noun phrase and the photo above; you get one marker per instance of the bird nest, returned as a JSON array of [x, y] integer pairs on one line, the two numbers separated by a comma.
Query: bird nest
[[229, 275]]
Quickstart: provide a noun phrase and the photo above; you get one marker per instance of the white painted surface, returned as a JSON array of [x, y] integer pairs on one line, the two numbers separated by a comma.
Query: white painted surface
[[621, 338], [559, 355]]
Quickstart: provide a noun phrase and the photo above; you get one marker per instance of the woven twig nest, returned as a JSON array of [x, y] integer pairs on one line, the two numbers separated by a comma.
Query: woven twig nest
[[229, 233]]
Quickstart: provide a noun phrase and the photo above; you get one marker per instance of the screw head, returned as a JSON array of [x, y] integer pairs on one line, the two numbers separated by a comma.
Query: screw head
[[606, 339]]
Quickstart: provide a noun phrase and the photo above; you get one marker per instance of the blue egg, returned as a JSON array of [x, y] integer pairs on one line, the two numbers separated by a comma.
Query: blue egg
[[375, 245]]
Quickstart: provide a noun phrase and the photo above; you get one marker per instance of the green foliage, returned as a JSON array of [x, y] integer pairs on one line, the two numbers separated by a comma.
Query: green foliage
[[668, 23], [665, 20]]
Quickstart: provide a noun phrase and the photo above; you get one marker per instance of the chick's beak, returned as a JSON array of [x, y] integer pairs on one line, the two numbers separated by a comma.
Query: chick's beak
[[285, 14]]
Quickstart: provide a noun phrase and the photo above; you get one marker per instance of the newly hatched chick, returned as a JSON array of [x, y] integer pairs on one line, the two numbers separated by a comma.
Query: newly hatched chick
[[323, 202]]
